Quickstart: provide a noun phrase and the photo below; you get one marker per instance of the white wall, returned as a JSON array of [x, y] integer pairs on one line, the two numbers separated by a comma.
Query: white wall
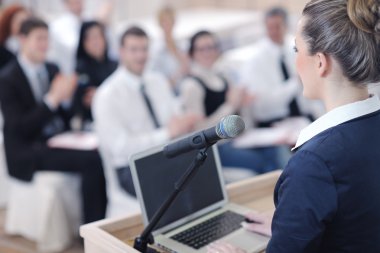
[[132, 9], [124, 9]]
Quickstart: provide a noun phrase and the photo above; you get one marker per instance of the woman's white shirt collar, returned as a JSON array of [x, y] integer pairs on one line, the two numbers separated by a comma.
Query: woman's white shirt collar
[[338, 116]]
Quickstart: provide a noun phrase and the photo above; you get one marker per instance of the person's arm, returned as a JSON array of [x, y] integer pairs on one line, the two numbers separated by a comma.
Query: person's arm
[[27, 124], [104, 12], [193, 97], [84, 83], [306, 203]]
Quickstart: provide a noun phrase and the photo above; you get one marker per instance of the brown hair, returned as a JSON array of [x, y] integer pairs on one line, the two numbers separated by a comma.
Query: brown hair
[[277, 11], [31, 24], [133, 31], [349, 31], [365, 15], [6, 21]]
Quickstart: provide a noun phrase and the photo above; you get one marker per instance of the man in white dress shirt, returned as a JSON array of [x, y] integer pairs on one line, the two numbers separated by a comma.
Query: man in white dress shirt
[[135, 109], [271, 74]]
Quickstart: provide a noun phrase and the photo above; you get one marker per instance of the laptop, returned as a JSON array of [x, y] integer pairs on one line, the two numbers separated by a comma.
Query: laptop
[[201, 213]]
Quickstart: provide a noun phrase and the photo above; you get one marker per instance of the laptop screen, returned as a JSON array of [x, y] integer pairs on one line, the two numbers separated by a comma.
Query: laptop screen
[[155, 176]]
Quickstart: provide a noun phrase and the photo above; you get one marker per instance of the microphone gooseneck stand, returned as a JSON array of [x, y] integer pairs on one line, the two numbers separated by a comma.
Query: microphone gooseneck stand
[[141, 242]]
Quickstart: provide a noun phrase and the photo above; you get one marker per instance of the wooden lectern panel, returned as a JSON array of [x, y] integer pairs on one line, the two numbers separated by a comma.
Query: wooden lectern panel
[[116, 235]]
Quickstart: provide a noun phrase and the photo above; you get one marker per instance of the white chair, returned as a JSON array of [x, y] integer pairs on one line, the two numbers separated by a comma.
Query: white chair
[[120, 203], [46, 210]]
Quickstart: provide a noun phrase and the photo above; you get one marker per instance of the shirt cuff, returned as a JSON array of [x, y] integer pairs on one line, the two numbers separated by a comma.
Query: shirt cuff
[[49, 104], [161, 136]]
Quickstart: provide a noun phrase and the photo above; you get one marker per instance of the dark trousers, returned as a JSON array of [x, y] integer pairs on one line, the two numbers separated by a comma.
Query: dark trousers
[[125, 180], [258, 160], [89, 166]]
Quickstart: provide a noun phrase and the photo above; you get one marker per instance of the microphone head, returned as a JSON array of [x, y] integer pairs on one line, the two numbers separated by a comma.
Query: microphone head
[[230, 126]]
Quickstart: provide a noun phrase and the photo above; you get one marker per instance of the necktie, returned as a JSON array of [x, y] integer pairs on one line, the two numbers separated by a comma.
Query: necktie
[[41, 87], [149, 106], [294, 110]]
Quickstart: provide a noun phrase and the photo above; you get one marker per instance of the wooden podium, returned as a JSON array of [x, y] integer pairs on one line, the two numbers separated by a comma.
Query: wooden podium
[[116, 235]]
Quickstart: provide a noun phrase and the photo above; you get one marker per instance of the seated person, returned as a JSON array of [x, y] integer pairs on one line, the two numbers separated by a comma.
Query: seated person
[[208, 93], [135, 109], [32, 93], [93, 67], [271, 75]]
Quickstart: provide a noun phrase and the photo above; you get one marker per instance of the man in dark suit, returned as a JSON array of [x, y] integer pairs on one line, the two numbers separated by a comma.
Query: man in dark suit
[[32, 96], [5, 56]]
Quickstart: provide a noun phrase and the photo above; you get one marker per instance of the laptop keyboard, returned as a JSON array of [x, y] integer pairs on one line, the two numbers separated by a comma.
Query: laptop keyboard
[[210, 230]]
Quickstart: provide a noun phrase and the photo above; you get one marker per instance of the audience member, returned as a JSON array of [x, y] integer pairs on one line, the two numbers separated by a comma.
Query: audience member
[[31, 94], [271, 74], [205, 91], [135, 109], [65, 31], [93, 67], [168, 57], [209, 94], [10, 22]]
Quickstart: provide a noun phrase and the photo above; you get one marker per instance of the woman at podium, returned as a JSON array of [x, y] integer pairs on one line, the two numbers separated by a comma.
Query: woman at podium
[[327, 198]]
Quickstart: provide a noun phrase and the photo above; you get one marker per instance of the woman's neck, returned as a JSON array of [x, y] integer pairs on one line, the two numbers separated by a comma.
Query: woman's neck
[[96, 58], [201, 68], [342, 93]]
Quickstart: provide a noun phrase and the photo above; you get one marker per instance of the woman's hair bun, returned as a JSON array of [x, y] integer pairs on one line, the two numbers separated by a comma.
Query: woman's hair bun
[[365, 15]]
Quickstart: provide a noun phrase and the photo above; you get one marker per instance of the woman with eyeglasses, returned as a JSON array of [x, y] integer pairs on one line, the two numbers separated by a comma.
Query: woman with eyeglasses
[[208, 93]]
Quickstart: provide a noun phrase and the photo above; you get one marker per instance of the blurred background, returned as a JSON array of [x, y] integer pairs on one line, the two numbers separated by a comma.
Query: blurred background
[[237, 24], [131, 9], [240, 20]]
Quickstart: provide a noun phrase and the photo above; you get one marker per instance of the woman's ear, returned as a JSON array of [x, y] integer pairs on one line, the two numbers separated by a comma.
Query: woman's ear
[[323, 64]]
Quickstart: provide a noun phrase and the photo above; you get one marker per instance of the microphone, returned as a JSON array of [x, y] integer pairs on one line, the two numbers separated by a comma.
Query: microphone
[[228, 127]]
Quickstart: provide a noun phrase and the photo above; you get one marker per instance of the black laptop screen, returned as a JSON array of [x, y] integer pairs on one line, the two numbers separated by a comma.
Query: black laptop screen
[[158, 174]]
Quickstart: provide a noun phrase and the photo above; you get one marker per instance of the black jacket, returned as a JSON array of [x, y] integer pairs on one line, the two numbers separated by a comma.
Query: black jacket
[[327, 198], [92, 73], [5, 56], [24, 120]]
